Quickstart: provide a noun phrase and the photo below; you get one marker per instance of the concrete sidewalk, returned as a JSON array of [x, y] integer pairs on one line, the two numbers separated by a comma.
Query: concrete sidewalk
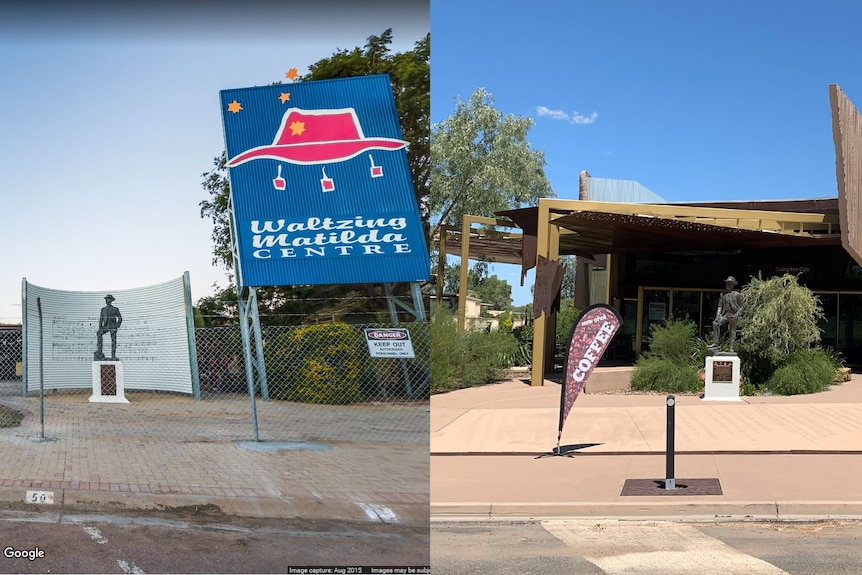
[[99, 458], [772, 456]]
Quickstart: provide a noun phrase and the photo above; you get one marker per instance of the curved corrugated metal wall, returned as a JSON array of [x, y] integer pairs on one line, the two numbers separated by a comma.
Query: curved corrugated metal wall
[[152, 343]]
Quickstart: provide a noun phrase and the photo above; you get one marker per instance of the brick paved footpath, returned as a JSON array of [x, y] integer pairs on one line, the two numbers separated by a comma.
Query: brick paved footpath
[[158, 453]]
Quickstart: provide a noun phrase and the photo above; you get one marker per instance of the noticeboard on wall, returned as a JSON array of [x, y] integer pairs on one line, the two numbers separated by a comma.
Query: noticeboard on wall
[[321, 185]]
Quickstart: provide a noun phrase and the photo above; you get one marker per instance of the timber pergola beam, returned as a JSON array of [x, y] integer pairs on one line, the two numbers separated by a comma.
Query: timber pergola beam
[[467, 232]]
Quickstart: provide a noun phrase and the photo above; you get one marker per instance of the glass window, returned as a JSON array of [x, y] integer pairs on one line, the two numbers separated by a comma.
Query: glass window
[[686, 305], [828, 324], [850, 327], [656, 309]]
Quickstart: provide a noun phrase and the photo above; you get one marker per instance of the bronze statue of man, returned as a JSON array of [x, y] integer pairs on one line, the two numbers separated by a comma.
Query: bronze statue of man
[[110, 321], [729, 307]]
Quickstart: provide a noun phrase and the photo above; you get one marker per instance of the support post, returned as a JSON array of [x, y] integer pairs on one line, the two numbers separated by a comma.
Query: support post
[[246, 351], [441, 263], [190, 336], [25, 312], [258, 345], [670, 481], [537, 371], [41, 372], [418, 312], [465, 266]]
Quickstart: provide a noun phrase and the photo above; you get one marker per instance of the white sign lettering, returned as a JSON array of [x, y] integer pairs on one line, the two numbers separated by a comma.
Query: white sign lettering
[[389, 343], [322, 237]]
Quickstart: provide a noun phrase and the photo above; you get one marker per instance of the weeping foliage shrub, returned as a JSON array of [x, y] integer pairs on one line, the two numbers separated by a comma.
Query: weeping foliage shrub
[[779, 319], [671, 364]]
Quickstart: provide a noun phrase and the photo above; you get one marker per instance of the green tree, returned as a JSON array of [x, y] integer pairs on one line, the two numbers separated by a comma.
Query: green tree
[[409, 74], [566, 321], [482, 162], [489, 288], [495, 292], [567, 289], [475, 275]]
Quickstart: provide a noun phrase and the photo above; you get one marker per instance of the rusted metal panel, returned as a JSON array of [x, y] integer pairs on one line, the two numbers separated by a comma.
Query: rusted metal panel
[[847, 134]]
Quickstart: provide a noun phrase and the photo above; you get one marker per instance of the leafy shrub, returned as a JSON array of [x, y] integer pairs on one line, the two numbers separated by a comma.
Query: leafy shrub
[[465, 360], [673, 361], [524, 334], [675, 341], [565, 322], [317, 364], [658, 374], [748, 389], [806, 371], [506, 321], [524, 337], [10, 417]]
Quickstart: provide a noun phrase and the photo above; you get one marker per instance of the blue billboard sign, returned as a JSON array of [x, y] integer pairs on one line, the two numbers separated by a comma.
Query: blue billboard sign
[[320, 184]]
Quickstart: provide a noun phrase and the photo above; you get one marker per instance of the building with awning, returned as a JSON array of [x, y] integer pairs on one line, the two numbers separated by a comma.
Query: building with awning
[[653, 260]]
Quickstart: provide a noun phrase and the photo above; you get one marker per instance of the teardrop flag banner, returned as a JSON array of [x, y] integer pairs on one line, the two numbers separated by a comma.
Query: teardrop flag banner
[[592, 334]]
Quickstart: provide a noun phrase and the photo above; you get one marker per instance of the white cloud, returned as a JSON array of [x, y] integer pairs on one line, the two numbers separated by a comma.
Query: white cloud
[[574, 118], [555, 114], [577, 118]]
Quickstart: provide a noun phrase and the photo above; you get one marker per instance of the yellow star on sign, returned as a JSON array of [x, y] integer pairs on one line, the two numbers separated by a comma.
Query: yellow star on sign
[[297, 128], [285, 97], [234, 107], [291, 74]]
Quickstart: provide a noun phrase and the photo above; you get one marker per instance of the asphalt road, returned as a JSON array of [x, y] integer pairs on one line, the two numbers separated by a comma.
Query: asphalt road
[[66, 543], [593, 547]]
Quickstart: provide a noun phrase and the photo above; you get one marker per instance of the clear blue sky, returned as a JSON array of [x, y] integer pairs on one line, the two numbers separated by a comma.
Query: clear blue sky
[[109, 114], [697, 101]]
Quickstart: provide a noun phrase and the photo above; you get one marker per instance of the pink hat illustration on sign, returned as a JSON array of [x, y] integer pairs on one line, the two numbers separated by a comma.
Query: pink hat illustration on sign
[[317, 137]]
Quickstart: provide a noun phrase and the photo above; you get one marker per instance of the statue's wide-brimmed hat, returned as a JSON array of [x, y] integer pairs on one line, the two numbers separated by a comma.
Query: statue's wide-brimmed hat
[[316, 137], [109, 297], [730, 279]]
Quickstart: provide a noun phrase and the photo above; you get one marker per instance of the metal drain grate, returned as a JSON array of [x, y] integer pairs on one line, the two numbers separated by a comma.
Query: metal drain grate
[[655, 487]]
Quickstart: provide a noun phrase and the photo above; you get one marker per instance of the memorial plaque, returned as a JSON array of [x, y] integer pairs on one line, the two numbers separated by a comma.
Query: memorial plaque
[[109, 379], [722, 377], [722, 372]]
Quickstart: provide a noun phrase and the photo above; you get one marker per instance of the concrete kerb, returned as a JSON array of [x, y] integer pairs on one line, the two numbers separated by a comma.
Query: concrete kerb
[[210, 508], [692, 511]]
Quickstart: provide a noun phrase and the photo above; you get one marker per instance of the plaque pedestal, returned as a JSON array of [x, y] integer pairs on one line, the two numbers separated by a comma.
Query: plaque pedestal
[[108, 382], [722, 378]]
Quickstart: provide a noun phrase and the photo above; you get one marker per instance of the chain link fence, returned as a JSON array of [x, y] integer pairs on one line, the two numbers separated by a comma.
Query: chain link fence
[[322, 384]]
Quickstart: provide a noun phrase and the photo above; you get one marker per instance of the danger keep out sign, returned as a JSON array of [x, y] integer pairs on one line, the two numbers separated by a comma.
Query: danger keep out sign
[[389, 343]]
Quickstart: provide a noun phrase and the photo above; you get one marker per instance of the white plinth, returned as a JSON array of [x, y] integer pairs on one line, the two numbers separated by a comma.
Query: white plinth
[[722, 378], [97, 383]]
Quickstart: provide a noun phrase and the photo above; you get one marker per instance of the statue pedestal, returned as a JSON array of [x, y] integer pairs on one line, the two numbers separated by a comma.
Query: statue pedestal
[[108, 382], [722, 378]]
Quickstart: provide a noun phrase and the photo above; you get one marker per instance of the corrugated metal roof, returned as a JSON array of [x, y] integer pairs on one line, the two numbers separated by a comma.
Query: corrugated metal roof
[[626, 191]]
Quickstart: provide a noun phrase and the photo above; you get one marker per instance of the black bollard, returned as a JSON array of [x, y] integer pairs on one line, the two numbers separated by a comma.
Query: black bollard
[[670, 482]]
